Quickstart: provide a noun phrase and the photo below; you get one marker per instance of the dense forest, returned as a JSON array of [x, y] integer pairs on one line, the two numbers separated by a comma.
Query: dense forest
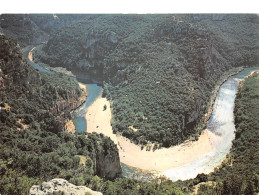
[[239, 173], [31, 29], [158, 71], [34, 146]]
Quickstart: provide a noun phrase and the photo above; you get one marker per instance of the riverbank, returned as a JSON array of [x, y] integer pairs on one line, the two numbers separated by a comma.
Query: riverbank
[[69, 125], [99, 121], [214, 93], [53, 69]]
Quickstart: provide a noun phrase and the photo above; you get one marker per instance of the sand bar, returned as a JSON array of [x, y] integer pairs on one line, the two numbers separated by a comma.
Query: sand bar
[[99, 121], [30, 55]]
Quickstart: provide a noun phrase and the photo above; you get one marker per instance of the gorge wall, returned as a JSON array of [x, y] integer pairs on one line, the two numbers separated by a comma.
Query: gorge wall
[[166, 65], [33, 109], [31, 29]]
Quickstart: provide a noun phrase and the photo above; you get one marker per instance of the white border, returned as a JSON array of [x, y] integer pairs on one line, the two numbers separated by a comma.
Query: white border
[[129, 6]]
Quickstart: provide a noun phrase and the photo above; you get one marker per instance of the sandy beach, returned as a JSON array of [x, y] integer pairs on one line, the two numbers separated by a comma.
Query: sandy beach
[[30, 55], [98, 120]]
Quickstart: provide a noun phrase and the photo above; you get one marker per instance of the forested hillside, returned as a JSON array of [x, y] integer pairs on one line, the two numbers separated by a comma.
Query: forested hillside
[[158, 71], [31, 29], [239, 173], [33, 144]]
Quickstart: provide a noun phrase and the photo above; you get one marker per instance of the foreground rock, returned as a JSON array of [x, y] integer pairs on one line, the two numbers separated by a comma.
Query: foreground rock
[[61, 185]]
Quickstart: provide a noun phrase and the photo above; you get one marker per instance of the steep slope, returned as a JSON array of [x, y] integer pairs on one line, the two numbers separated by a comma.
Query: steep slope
[[30, 29], [239, 173], [35, 94], [159, 70], [33, 109], [22, 28]]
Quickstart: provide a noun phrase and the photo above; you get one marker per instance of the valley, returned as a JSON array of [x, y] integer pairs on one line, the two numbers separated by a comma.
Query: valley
[[179, 162], [129, 104]]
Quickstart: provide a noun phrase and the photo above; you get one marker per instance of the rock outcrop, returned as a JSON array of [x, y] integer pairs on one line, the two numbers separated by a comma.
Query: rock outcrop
[[194, 50], [16, 74], [61, 185], [108, 161]]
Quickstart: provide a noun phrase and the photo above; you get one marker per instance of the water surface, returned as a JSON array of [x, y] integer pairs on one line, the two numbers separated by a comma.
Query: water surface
[[39, 67], [93, 91], [221, 124]]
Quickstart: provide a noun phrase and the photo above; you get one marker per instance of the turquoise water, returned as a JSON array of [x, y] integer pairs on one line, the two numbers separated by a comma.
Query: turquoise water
[[137, 174], [39, 67], [93, 91], [221, 124]]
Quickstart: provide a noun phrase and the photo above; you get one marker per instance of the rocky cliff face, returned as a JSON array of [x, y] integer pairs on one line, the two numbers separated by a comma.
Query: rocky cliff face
[[61, 186], [63, 107], [180, 56], [107, 160], [17, 76]]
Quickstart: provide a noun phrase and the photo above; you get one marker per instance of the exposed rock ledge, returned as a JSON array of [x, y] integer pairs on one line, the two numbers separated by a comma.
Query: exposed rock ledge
[[61, 185]]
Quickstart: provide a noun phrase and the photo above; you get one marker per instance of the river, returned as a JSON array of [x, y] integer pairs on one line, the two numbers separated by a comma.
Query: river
[[221, 124], [93, 91]]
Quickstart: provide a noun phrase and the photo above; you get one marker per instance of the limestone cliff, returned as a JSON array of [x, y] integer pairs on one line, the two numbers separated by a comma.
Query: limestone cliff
[[62, 186], [166, 65], [18, 78], [107, 159]]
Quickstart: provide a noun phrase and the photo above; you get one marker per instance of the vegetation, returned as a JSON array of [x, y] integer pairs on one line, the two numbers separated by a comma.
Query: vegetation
[[30, 29], [34, 149], [33, 145], [159, 71], [239, 173], [163, 98]]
